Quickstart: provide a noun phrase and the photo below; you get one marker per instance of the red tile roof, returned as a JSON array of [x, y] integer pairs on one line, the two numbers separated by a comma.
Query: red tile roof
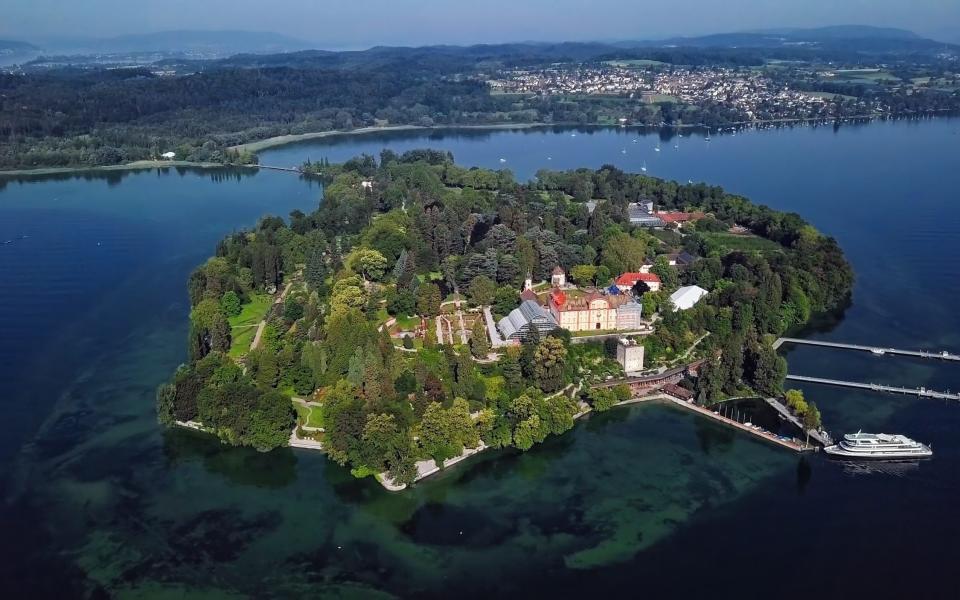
[[630, 279]]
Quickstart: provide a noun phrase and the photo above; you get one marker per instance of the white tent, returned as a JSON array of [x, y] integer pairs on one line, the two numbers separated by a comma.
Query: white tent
[[687, 296]]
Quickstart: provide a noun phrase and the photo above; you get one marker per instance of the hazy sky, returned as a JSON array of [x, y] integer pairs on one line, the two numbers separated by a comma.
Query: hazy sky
[[360, 23]]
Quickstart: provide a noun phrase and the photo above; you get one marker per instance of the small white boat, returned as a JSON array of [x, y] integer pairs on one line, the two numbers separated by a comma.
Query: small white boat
[[878, 445], [644, 167], [503, 160]]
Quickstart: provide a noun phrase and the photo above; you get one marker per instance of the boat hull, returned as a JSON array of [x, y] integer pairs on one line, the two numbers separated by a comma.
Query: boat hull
[[838, 452]]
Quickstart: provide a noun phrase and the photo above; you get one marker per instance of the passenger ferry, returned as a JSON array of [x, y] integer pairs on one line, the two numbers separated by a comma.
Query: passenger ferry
[[878, 445]]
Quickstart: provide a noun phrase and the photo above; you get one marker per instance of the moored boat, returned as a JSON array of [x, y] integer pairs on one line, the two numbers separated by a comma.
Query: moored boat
[[878, 445]]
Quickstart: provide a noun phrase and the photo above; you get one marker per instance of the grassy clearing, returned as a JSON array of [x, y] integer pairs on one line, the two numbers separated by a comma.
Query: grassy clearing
[[407, 323], [829, 95], [746, 243], [253, 311], [244, 326], [311, 416], [639, 62], [241, 339]]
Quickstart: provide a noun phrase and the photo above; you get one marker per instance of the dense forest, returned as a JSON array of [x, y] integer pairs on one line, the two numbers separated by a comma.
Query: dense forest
[[87, 115], [396, 239]]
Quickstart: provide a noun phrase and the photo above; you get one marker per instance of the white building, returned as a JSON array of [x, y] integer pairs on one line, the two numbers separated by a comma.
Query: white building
[[630, 355], [687, 296]]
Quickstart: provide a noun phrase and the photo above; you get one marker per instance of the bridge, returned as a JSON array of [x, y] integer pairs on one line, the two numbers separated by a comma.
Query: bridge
[[876, 387], [943, 355]]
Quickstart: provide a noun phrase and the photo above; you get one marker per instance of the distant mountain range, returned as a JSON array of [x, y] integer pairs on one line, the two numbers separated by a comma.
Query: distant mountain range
[[860, 37], [250, 48], [210, 43], [11, 46]]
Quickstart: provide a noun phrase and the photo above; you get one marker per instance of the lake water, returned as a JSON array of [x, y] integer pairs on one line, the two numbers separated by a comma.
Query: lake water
[[638, 501]]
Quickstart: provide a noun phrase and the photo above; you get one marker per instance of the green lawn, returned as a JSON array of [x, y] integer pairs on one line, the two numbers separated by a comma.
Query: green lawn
[[640, 62], [311, 416], [408, 323], [252, 312], [244, 326], [746, 243], [241, 338]]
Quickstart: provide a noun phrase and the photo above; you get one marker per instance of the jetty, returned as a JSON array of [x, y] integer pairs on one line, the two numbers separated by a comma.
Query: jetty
[[754, 430], [877, 350], [877, 387], [820, 436]]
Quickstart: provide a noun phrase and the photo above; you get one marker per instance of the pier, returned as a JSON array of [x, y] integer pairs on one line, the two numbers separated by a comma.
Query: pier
[[876, 387], [767, 436], [943, 355], [820, 436]]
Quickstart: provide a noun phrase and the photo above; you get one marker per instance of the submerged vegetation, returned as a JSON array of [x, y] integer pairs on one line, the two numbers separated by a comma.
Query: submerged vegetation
[[370, 308]]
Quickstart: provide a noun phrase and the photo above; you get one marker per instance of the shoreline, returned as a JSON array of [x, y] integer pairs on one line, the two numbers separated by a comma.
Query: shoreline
[[284, 140], [130, 166], [294, 138]]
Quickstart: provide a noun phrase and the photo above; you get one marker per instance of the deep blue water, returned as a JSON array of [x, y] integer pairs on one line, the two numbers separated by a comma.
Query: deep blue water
[[638, 501]]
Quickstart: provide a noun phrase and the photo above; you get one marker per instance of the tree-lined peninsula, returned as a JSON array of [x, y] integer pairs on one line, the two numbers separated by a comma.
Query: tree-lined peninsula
[[365, 326]]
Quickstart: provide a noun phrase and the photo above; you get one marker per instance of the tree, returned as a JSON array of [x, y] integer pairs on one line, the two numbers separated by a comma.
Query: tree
[[209, 329], [482, 291], [382, 440], [292, 310], [504, 301], [602, 399], [512, 374], [811, 418], [230, 303], [368, 262], [622, 253], [583, 274], [437, 433], [549, 363], [428, 300], [479, 344], [667, 274]]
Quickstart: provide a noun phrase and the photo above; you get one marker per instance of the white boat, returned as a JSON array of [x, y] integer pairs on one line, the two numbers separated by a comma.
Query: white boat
[[878, 445], [644, 167], [503, 160]]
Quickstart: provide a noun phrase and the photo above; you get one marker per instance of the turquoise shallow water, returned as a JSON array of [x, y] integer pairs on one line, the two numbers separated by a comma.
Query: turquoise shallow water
[[643, 499]]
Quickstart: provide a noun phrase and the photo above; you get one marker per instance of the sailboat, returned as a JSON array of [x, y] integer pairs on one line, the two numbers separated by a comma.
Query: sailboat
[[657, 149], [644, 167]]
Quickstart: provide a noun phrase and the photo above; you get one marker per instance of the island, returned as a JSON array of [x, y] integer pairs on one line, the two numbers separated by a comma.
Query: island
[[427, 311]]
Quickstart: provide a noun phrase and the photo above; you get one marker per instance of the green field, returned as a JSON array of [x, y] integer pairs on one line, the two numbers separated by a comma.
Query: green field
[[243, 327], [864, 75], [747, 243], [829, 95], [240, 340], [640, 62], [253, 311]]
